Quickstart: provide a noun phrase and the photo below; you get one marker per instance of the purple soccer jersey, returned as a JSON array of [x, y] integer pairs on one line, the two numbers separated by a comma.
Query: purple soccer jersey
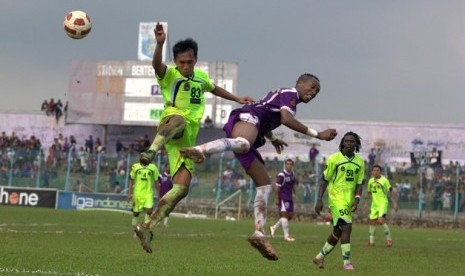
[[285, 181], [265, 115], [165, 183]]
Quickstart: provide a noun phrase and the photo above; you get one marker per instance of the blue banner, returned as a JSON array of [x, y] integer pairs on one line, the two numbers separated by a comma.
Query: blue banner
[[79, 201]]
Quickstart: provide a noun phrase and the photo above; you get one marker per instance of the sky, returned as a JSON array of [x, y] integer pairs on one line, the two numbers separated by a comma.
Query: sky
[[378, 61]]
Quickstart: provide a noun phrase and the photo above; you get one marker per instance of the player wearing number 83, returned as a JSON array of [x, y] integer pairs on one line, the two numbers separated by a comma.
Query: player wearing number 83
[[182, 88], [343, 176]]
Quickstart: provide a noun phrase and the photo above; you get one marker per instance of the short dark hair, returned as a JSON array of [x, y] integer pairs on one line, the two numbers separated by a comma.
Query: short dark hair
[[185, 45], [357, 140], [377, 166], [307, 76]]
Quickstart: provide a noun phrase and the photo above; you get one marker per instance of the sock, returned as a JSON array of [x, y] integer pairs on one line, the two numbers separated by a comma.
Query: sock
[[238, 144], [158, 142], [345, 248], [146, 217], [167, 204], [327, 248], [371, 231], [165, 221], [175, 125], [387, 233], [260, 206], [285, 224], [277, 224], [135, 221]]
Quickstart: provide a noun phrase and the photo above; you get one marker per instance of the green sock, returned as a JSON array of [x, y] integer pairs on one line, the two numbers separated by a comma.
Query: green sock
[[345, 248], [158, 142], [167, 203], [327, 248], [387, 232], [371, 231]]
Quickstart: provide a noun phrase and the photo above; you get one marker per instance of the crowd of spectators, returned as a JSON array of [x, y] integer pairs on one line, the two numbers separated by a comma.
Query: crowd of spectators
[[55, 109], [25, 158]]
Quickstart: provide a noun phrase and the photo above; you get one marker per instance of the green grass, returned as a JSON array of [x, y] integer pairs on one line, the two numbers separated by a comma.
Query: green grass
[[57, 242]]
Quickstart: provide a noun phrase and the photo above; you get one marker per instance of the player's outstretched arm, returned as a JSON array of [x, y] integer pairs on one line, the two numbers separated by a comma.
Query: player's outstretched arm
[[288, 120], [276, 142], [225, 94], [160, 37]]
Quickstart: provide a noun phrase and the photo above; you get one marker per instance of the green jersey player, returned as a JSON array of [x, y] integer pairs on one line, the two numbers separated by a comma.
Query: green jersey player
[[183, 88], [378, 189], [343, 177], [141, 189]]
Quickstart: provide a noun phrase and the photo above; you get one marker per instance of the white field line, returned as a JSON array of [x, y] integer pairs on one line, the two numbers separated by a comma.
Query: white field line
[[41, 272]]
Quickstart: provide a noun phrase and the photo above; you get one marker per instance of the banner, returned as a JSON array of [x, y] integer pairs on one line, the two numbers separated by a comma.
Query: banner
[[29, 197], [74, 200], [146, 45]]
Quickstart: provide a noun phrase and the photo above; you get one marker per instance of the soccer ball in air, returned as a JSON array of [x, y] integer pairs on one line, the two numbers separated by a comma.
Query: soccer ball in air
[[77, 24]]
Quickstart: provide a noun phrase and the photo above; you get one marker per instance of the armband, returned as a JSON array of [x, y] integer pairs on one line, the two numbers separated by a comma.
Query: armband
[[311, 132]]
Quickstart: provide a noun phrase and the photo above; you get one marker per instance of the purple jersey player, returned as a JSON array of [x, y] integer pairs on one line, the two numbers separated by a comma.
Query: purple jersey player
[[285, 188], [246, 130]]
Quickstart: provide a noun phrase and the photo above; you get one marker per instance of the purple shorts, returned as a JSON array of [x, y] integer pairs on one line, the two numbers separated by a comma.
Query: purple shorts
[[286, 206], [247, 158]]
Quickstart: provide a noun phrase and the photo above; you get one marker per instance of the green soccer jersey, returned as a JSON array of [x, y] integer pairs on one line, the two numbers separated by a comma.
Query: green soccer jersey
[[186, 94], [379, 189], [343, 174], [143, 178]]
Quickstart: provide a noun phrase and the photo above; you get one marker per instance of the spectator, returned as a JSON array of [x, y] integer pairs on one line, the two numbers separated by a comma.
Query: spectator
[[90, 144], [44, 106], [51, 107], [208, 123], [58, 110], [312, 154], [371, 159], [119, 146]]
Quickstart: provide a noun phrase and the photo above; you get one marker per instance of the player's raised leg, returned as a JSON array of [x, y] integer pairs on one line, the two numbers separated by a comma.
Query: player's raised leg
[[197, 154], [171, 127]]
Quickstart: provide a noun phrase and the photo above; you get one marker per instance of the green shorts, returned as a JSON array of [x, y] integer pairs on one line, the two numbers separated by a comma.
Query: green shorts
[[188, 139], [340, 210], [139, 204], [378, 210]]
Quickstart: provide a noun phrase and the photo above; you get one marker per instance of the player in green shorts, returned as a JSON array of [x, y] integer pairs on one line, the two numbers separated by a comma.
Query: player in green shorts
[[183, 88], [343, 176], [377, 191], [141, 190]]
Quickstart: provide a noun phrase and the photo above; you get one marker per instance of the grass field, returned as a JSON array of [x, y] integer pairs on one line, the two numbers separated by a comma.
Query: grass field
[[56, 242]]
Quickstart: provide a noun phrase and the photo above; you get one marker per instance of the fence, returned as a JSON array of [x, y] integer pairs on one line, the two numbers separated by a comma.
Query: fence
[[422, 188]]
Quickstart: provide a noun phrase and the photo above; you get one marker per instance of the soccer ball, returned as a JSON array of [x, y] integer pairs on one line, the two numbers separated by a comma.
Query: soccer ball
[[77, 24]]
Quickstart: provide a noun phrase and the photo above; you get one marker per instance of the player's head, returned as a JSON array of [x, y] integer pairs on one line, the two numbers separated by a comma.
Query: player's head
[[289, 164], [185, 56], [376, 171], [350, 143], [308, 86]]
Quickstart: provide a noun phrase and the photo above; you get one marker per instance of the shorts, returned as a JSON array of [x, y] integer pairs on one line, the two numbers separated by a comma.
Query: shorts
[[341, 211], [286, 206], [139, 204], [377, 211], [188, 139], [247, 158]]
